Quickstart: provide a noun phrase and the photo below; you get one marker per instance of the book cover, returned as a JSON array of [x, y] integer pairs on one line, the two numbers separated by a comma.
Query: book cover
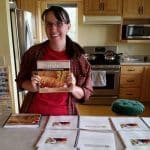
[[92, 140], [146, 120], [53, 75], [94, 123], [62, 122], [128, 123], [135, 140], [23, 120], [57, 139]]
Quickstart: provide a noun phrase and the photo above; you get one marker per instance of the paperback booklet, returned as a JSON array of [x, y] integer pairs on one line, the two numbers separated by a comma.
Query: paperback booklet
[[58, 139], [92, 140], [23, 120], [128, 123], [146, 120], [135, 140], [62, 122], [94, 123], [53, 75]]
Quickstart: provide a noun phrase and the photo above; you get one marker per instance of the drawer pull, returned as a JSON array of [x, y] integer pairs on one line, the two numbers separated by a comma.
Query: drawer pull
[[130, 80], [129, 94], [131, 69]]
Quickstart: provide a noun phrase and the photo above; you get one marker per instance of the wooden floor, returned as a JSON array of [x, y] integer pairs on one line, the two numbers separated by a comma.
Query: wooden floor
[[105, 110]]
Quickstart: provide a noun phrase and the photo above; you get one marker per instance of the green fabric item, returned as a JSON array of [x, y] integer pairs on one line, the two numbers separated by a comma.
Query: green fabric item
[[127, 107]]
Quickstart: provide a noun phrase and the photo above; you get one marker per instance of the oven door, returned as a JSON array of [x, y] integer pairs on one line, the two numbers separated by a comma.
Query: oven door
[[112, 84], [108, 93]]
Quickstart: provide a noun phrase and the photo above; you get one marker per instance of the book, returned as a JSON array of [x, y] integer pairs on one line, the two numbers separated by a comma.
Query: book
[[93, 140], [128, 123], [135, 140], [57, 139], [53, 75], [94, 123], [62, 122], [146, 120], [23, 120]]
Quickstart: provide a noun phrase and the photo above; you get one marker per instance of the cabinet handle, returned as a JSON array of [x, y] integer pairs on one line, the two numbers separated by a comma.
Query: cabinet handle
[[100, 6], [103, 6], [130, 80], [142, 10], [138, 10], [129, 94], [131, 69]]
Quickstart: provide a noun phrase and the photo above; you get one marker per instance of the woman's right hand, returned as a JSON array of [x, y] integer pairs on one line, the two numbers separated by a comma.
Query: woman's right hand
[[35, 81], [32, 85]]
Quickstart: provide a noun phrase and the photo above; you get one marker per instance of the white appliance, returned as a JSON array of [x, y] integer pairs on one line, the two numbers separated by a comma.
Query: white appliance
[[22, 36]]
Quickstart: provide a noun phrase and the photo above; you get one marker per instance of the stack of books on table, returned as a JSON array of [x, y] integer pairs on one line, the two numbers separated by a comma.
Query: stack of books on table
[[23, 121], [133, 131], [77, 132]]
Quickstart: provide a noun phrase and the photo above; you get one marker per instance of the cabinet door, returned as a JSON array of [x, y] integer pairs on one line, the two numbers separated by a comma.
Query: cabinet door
[[145, 95], [136, 9], [102, 7], [131, 9], [146, 8]]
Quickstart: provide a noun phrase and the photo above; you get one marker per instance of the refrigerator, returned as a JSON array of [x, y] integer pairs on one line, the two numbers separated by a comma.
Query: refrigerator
[[22, 39]]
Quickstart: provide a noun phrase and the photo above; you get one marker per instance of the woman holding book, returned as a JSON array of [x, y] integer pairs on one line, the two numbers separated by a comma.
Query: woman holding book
[[58, 47]]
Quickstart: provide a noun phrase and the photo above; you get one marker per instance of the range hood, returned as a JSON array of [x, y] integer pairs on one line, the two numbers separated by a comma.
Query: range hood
[[102, 19]]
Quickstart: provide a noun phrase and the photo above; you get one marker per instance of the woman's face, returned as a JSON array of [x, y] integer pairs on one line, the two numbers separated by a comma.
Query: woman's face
[[56, 31]]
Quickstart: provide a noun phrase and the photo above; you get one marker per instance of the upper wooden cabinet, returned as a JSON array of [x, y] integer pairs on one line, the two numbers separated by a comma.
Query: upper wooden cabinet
[[103, 7], [136, 9]]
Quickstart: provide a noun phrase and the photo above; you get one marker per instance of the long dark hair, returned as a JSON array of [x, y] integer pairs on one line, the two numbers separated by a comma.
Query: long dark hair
[[59, 12]]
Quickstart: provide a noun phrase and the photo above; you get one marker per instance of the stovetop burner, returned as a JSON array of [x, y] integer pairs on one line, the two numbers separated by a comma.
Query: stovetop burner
[[96, 55]]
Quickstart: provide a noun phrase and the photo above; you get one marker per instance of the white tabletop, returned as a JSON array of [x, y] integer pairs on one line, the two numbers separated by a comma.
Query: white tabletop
[[26, 138]]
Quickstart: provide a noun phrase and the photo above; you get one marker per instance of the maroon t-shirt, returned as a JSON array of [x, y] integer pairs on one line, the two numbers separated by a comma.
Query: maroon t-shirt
[[51, 103]]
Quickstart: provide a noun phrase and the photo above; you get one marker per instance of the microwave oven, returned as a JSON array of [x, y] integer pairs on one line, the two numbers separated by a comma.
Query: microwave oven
[[136, 31]]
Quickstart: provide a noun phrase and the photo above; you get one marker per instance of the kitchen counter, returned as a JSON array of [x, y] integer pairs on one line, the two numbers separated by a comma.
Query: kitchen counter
[[136, 63]]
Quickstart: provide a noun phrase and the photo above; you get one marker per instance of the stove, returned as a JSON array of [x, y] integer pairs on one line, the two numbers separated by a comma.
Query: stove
[[104, 94], [96, 55]]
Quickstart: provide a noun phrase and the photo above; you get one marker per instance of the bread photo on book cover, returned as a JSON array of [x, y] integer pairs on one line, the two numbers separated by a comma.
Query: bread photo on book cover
[[53, 75], [23, 120]]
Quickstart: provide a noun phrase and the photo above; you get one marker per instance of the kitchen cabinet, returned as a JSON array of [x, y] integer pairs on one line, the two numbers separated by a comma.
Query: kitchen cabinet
[[131, 81], [103, 7], [136, 9], [145, 91]]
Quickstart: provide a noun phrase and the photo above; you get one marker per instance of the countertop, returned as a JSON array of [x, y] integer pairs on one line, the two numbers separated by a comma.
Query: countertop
[[135, 63], [136, 60]]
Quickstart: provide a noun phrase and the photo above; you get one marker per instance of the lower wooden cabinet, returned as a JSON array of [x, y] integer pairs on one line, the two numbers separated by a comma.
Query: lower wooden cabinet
[[135, 82], [145, 89]]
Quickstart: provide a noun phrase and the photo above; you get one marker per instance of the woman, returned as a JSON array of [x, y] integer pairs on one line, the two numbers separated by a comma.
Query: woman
[[58, 47]]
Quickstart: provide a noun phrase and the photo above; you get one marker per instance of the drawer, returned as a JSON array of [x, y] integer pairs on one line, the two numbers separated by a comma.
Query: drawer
[[132, 69], [130, 80], [131, 93]]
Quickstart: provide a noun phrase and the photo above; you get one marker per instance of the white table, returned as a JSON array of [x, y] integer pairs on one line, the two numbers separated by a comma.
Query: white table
[[26, 138]]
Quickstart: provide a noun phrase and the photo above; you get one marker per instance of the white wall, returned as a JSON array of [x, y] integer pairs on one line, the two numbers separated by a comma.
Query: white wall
[[6, 50]]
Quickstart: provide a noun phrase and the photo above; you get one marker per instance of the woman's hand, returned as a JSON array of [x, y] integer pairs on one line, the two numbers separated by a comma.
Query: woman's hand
[[35, 81], [76, 91], [32, 85]]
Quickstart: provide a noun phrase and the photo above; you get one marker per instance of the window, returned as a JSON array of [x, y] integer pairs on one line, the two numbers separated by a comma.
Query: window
[[73, 14]]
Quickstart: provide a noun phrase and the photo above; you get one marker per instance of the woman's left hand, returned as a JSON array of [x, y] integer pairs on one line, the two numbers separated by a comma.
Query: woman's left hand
[[71, 80], [76, 91]]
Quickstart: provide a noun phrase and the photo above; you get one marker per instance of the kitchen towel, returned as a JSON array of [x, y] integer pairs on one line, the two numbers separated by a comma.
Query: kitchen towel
[[99, 78]]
